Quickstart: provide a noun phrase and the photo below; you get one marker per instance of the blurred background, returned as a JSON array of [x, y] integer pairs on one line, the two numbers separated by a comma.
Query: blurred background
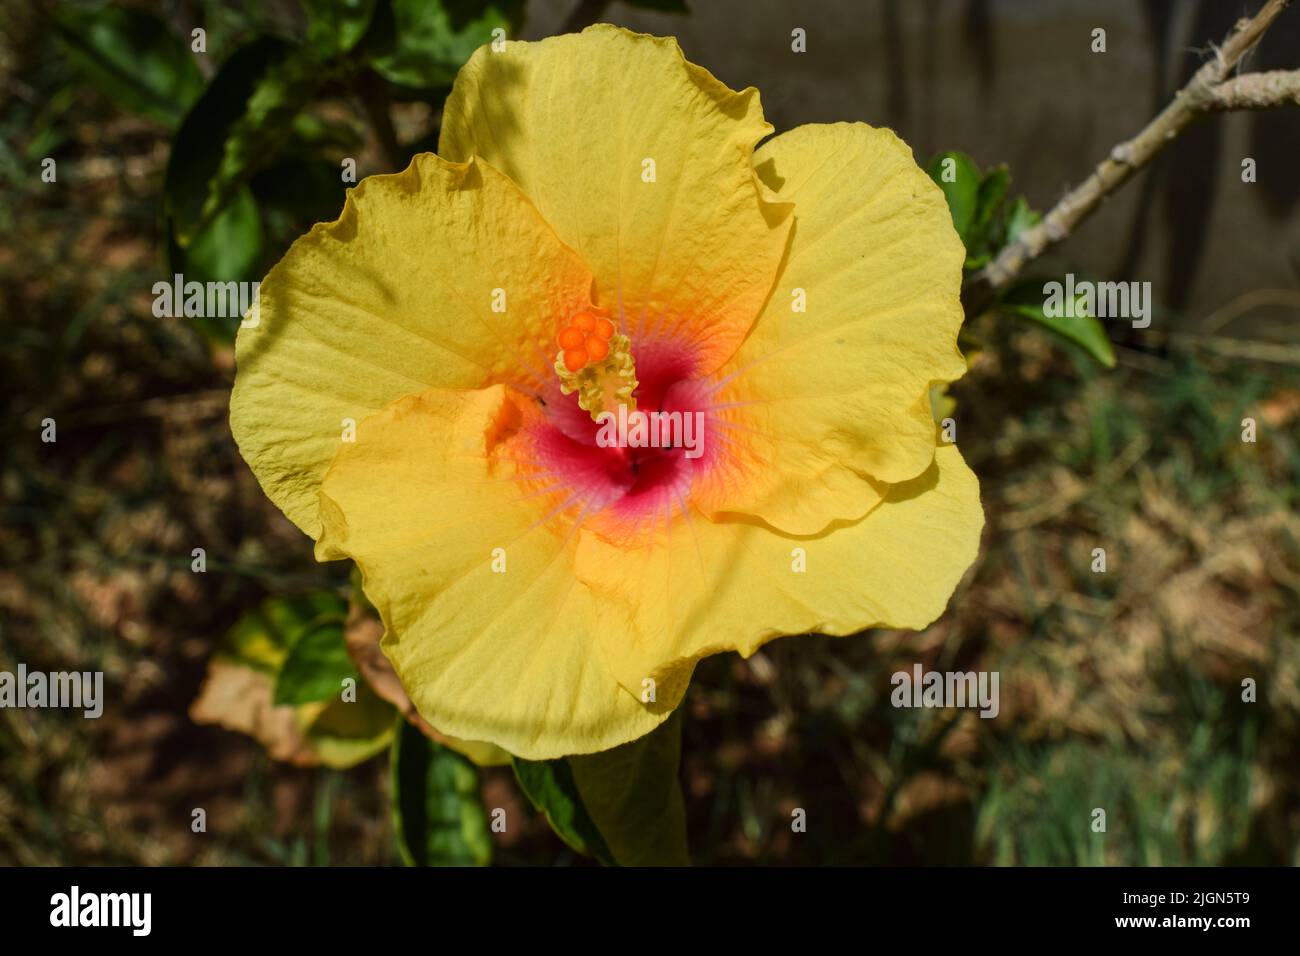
[[1120, 690]]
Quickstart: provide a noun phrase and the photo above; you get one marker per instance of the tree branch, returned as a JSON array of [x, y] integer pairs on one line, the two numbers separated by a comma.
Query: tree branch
[[1208, 91], [1257, 91]]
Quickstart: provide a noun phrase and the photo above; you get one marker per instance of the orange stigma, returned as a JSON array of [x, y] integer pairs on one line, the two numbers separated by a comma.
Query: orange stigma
[[595, 361], [585, 339]]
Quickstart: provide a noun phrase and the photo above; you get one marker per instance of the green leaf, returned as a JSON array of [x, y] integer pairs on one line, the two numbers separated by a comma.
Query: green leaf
[[336, 26], [261, 639], [290, 617], [257, 137], [345, 732], [550, 786], [227, 249], [198, 148], [977, 202], [1026, 301], [286, 634], [438, 816], [317, 664], [305, 190], [237, 128], [992, 191], [1019, 218], [323, 137], [423, 43], [132, 57], [633, 797], [957, 175]]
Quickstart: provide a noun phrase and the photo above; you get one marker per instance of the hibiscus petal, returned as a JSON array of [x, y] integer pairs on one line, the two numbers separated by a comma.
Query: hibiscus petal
[[574, 119], [394, 297], [820, 402], [714, 586], [421, 501]]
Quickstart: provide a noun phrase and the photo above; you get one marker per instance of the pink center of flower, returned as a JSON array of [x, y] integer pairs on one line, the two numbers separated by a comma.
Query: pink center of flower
[[633, 481]]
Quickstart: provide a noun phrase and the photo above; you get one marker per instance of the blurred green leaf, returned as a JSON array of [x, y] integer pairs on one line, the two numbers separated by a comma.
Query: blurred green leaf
[[957, 175], [313, 134], [336, 26], [227, 249], [1025, 300], [633, 797], [132, 57], [423, 43], [45, 127], [262, 638], [663, 6], [291, 616], [1019, 218], [992, 190], [343, 733], [199, 146], [258, 136], [286, 654], [977, 202], [550, 786], [438, 816], [308, 190], [985, 231], [317, 665]]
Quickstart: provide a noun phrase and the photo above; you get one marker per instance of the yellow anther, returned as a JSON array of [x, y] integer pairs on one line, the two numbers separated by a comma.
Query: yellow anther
[[598, 366]]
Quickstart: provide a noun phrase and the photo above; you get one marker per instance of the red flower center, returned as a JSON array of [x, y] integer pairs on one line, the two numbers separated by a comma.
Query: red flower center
[[627, 485]]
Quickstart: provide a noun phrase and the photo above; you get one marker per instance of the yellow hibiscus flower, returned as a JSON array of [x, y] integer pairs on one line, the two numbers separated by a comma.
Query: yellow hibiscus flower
[[596, 224]]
